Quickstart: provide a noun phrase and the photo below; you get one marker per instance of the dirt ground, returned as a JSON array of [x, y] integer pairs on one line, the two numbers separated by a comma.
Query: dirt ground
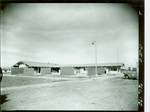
[[102, 93]]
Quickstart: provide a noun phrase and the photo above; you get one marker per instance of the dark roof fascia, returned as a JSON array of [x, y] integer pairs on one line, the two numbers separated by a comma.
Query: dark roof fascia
[[92, 65], [73, 65]]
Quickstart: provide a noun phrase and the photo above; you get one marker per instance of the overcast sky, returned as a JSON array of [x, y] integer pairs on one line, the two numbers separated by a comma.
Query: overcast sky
[[62, 33]]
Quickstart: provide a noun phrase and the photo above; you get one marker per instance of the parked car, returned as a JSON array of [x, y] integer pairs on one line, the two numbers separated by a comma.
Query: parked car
[[130, 74]]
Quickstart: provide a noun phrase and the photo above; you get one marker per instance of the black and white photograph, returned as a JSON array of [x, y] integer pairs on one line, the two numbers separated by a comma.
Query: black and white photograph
[[71, 56]]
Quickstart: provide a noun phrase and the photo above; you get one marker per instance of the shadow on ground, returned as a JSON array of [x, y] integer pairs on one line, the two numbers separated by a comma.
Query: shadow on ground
[[4, 98]]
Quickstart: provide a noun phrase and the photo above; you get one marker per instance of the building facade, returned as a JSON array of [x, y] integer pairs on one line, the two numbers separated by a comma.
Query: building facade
[[37, 68]]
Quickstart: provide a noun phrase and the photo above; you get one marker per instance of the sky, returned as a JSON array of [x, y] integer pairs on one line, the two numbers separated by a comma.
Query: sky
[[62, 33]]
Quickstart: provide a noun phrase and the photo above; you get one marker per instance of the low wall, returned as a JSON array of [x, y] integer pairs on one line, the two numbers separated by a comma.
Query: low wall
[[91, 70], [100, 71], [28, 71], [15, 71], [45, 71], [67, 71]]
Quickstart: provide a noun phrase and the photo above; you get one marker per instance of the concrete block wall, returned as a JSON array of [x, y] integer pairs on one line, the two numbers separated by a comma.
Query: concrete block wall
[[28, 71], [45, 71], [100, 70], [91, 70], [15, 71], [67, 70]]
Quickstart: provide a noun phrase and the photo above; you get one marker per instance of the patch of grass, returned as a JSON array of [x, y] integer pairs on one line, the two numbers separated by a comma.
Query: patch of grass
[[9, 81]]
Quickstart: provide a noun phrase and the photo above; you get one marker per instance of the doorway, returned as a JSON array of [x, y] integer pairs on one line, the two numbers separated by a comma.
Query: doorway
[[37, 70]]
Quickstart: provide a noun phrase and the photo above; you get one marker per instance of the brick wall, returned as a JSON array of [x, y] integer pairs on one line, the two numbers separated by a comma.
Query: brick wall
[[28, 71], [15, 71], [100, 70], [45, 71], [67, 70], [91, 70]]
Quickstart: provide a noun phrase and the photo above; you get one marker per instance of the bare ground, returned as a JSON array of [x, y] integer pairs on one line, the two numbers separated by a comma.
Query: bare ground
[[104, 93]]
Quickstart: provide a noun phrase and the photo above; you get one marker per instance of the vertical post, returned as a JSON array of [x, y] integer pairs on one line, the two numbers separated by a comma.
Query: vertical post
[[94, 43], [117, 60], [117, 54], [95, 59]]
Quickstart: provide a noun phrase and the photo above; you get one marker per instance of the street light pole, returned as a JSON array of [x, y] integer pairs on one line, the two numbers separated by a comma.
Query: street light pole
[[94, 43], [117, 54], [117, 60]]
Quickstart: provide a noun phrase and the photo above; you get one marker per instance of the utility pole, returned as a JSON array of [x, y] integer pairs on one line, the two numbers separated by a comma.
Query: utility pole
[[94, 43], [117, 54], [117, 59]]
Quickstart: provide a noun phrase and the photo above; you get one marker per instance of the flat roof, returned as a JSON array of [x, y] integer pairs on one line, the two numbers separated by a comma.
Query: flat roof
[[40, 64], [91, 65]]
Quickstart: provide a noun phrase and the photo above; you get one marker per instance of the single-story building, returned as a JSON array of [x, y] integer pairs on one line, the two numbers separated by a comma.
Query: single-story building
[[33, 68], [38, 68], [89, 69]]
